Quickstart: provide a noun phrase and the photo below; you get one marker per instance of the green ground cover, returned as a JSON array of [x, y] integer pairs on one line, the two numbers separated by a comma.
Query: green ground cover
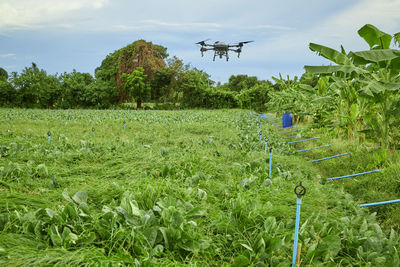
[[178, 188]]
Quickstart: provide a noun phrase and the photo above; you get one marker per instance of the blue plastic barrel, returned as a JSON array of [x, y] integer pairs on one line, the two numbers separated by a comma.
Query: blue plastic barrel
[[287, 120]]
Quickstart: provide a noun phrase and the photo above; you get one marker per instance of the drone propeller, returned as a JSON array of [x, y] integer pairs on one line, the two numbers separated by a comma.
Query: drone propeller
[[242, 43], [202, 43]]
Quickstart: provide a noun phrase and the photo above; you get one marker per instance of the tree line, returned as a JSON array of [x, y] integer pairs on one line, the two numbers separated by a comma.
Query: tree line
[[140, 72]]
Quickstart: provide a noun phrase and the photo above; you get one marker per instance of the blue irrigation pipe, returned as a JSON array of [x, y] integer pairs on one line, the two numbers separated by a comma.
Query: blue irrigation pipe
[[318, 147], [298, 141], [352, 175], [294, 130], [293, 136], [270, 163], [93, 131], [380, 203], [299, 191], [296, 231], [340, 155], [124, 125]]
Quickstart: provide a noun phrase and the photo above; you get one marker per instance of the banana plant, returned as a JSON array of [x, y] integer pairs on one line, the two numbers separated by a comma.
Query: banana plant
[[367, 83], [383, 90]]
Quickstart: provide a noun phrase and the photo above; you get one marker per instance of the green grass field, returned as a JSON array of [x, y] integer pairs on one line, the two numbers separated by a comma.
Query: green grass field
[[183, 188]]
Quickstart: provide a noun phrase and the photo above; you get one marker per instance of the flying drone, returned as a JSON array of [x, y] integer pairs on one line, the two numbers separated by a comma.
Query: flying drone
[[221, 49]]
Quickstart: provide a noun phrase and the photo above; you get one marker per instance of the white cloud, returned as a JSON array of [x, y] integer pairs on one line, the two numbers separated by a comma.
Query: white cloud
[[27, 13], [7, 55], [150, 25], [337, 29]]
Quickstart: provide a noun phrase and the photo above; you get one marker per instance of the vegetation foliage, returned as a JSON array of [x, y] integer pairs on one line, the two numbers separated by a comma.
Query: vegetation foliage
[[359, 97], [155, 188], [173, 188]]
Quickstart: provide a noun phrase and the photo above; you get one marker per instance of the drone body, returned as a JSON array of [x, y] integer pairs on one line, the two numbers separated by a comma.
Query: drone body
[[221, 49]]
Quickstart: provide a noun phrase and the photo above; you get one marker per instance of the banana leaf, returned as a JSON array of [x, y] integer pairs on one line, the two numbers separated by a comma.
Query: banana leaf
[[374, 56], [396, 37], [395, 65], [372, 88], [347, 69], [331, 54], [375, 38]]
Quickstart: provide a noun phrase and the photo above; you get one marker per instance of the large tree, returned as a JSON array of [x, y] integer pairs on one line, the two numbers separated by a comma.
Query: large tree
[[140, 53], [164, 82], [35, 88], [136, 86], [73, 88]]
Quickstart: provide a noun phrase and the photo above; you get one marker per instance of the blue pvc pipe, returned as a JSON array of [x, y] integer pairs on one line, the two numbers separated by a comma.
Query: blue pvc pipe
[[294, 130], [293, 136], [298, 141], [124, 126], [380, 203], [352, 175], [340, 155], [318, 147], [296, 232], [48, 139], [270, 165]]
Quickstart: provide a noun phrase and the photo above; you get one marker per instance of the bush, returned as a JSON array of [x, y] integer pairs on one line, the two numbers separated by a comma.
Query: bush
[[255, 97], [219, 99]]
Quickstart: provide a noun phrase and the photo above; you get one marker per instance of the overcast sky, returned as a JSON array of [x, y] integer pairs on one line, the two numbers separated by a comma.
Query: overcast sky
[[62, 35]]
